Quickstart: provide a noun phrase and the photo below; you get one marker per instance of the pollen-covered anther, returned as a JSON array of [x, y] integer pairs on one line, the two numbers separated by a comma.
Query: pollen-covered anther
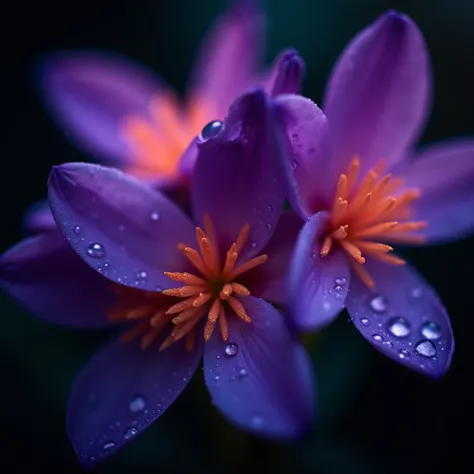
[[213, 293], [368, 211]]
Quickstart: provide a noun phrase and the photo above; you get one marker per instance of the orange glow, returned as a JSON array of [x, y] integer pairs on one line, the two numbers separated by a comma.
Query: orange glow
[[370, 211], [157, 141], [209, 294]]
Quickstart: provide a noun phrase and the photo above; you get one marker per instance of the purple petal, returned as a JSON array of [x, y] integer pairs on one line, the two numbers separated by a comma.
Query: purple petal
[[403, 318], [38, 218], [119, 226], [287, 74], [378, 95], [187, 160], [269, 280], [46, 277], [307, 155], [237, 177], [229, 57], [265, 386], [90, 93], [317, 286], [444, 173], [121, 391]]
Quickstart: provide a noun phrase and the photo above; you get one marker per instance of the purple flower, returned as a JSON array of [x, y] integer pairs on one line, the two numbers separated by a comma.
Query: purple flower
[[174, 294], [123, 113], [359, 188]]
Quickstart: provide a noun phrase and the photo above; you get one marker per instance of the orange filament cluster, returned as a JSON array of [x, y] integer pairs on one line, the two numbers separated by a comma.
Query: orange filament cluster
[[156, 142], [367, 212], [214, 290], [211, 293]]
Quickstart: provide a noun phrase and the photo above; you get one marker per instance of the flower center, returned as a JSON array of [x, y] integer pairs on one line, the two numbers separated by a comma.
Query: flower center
[[370, 211], [210, 293], [158, 140]]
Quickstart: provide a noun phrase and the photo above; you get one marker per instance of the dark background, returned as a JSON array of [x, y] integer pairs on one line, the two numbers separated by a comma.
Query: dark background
[[374, 416]]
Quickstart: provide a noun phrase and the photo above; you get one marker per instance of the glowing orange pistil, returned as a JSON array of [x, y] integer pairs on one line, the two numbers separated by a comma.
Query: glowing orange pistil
[[207, 294], [215, 288], [367, 212], [156, 142]]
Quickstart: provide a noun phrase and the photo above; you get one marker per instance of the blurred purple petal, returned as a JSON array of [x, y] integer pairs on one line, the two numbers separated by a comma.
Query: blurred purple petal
[[378, 95], [317, 286], [444, 173], [237, 179], [46, 277], [121, 391], [188, 159], [229, 56], [287, 74], [90, 93], [403, 318], [119, 226], [265, 386], [307, 158], [38, 218], [269, 280]]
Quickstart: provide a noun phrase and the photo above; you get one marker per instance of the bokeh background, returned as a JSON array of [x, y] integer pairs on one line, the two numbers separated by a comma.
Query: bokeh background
[[374, 416]]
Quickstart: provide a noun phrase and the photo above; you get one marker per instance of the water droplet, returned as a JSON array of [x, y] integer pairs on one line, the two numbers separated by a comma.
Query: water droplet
[[313, 256], [379, 304], [270, 208], [431, 330], [364, 321], [269, 227], [141, 275], [294, 165], [231, 349], [338, 288], [253, 244], [242, 372], [377, 337], [130, 433], [341, 281], [155, 216], [137, 404], [399, 327], [425, 348], [216, 378], [211, 130], [96, 251], [404, 354], [387, 343], [109, 444], [77, 229]]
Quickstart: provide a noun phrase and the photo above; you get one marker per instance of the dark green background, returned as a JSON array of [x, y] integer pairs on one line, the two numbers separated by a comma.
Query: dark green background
[[374, 416]]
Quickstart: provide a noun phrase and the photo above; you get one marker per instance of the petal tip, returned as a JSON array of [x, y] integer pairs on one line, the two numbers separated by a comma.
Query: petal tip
[[290, 73]]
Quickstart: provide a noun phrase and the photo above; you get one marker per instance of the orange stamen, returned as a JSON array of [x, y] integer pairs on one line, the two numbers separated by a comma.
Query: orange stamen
[[365, 215]]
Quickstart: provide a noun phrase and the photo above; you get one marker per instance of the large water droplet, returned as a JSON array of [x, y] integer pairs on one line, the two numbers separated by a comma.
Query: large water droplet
[[231, 349], [77, 229], [364, 321], [155, 216], [137, 404], [425, 348], [399, 327], [379, 304], [96, 251], [211, 130], [377, 337], [431, 330], [109, 445], [130, 433]]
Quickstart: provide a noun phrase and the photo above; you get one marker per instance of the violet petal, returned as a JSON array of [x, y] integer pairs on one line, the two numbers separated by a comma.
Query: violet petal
[[119, 226], [402, 318], [261, 380]]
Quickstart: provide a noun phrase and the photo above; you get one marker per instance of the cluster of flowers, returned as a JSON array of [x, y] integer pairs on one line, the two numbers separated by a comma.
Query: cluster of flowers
[[191, 244]]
